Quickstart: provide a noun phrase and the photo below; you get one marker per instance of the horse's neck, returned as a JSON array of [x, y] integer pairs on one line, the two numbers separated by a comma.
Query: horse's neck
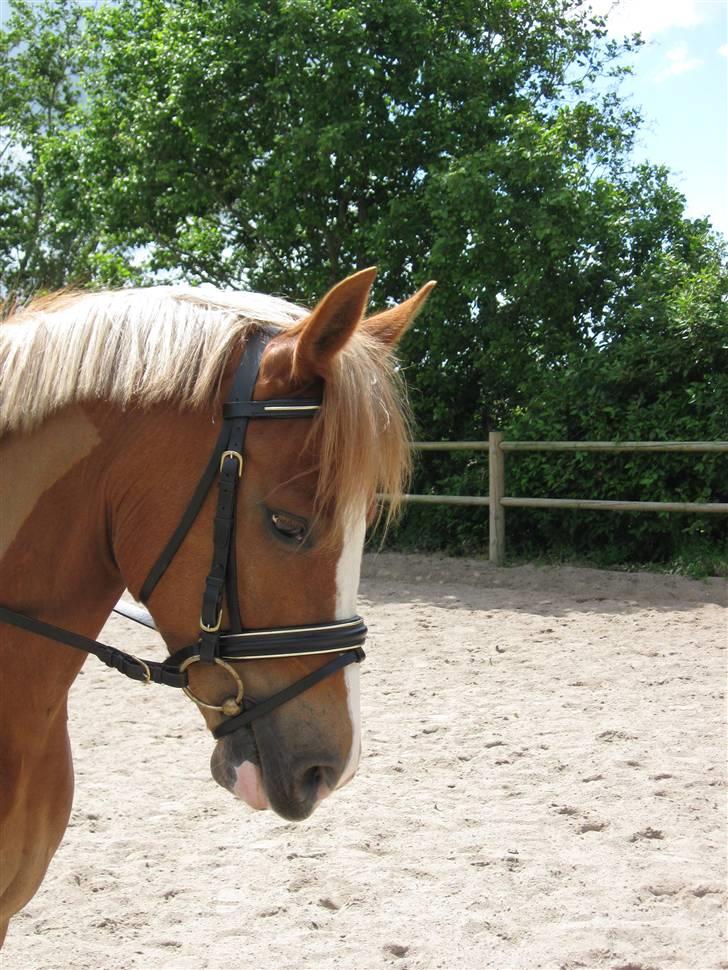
[[55, 560]]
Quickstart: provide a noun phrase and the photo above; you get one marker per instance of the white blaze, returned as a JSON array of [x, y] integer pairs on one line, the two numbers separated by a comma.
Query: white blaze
[[347, 586]]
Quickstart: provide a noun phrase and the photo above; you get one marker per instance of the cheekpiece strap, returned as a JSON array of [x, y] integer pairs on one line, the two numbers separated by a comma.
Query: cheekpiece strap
[[243, 384]]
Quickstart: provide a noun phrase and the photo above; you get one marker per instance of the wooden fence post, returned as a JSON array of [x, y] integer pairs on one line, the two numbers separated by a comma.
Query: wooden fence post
[[496, 491]]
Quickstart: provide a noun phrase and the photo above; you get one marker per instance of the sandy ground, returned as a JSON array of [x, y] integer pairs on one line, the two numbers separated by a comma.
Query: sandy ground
[[543, 786]]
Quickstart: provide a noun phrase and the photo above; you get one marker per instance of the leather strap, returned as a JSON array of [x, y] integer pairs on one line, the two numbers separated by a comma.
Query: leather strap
[[125, 663], [245, 378], [185, 523], [260, 708], [231, 469], [287, 642], [305, 408]]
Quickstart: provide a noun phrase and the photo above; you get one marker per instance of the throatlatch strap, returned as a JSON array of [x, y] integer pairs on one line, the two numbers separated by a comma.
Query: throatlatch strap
[[185, 524]]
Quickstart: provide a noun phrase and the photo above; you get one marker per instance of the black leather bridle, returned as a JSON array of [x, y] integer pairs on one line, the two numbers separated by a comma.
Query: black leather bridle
[[342, 638]]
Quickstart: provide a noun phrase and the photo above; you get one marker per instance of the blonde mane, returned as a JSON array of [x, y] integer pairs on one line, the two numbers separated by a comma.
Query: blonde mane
[[144, 346]]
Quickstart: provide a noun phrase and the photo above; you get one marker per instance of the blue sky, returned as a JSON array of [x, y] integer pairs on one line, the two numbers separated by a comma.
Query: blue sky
[[680, 82]]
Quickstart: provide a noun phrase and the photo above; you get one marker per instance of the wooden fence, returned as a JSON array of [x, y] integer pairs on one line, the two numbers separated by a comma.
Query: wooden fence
[[497, 500]]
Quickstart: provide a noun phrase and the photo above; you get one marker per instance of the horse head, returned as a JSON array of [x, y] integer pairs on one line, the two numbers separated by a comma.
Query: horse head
[[306, 493]]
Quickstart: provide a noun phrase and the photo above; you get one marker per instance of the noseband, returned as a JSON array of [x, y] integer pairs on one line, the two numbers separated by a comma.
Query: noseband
[[342, 639]]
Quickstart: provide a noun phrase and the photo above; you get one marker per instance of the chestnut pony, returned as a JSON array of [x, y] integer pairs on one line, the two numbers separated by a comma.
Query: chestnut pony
[[110, 407]]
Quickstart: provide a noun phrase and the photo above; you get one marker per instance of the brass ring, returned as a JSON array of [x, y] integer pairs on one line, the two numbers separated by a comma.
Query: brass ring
[[225, 706]]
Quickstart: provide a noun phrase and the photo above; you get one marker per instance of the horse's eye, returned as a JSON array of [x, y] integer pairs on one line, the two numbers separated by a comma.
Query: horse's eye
[[290, 526]]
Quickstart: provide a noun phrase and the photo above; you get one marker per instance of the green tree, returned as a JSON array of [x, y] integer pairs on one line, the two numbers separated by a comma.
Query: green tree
[[38, 59], [657, 369], [279, 144]]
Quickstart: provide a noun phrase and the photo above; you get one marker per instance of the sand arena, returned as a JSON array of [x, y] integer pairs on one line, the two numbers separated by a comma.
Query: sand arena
[[542, 786]]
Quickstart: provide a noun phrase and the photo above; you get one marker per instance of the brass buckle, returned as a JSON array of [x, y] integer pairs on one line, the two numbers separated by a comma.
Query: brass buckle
[[231, 705], [147, 671], [232, 454], [212, 629]]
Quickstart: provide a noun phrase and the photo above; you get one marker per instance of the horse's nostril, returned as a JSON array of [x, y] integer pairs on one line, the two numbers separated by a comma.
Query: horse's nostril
[[294, 793], [312, 778], [316, 781]]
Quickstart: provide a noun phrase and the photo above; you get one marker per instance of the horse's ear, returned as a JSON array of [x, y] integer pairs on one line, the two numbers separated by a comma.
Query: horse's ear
[[323, 333], [390, 325]]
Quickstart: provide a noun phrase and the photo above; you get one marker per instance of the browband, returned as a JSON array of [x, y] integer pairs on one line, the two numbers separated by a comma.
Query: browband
[[270, 409]]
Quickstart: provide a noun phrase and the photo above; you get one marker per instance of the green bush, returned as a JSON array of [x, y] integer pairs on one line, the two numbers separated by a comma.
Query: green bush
[[658, 372]]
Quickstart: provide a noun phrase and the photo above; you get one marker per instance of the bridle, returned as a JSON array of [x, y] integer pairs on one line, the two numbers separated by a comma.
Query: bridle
[[342, 638]]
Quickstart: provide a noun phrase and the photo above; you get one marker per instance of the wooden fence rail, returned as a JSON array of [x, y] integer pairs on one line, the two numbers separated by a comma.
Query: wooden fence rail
[[497, 501]]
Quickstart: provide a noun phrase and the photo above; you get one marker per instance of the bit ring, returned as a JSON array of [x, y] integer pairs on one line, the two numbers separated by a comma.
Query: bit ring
[[226, 706]]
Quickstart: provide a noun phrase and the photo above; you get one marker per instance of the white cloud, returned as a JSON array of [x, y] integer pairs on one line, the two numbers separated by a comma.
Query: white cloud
[[678, 62], [723, 50], [649, 17]]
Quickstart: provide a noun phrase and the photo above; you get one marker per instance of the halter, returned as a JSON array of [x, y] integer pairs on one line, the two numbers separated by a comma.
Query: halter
[[342, 638]]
